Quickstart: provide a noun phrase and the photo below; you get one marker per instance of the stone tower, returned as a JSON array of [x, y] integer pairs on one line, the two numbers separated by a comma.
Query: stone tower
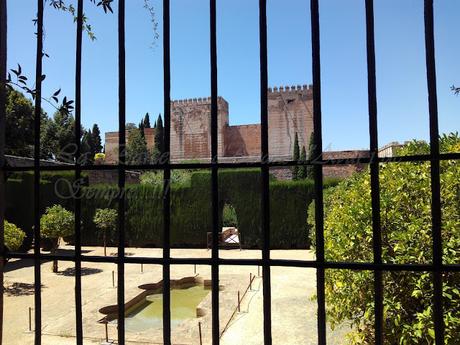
[[191, 128], [290, 111]]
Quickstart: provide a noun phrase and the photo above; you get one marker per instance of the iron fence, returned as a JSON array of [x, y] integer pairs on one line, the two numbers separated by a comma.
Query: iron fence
[[377, 266]]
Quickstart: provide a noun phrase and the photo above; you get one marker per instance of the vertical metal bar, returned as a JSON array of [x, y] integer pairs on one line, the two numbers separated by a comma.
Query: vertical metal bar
[[374, 171], [265, 187], [167, 174], [37, 115], [239, 302], [435, 178], [121, 170], [318, 153], [30, 319], [78, 58], [3, 68], [214, 176]]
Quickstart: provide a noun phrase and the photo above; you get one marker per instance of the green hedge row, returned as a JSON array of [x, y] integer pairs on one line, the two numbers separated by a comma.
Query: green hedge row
[[19, 207], [191, 213]]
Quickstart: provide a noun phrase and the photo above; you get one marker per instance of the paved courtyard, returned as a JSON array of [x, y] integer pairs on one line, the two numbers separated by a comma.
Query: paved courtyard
[[293, 309]]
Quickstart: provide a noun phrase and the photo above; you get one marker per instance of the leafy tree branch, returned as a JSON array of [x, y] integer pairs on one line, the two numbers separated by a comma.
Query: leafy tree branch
[[65, 105]]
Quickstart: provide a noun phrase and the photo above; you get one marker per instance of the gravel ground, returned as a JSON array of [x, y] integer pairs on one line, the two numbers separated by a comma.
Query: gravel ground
[[292, 289]]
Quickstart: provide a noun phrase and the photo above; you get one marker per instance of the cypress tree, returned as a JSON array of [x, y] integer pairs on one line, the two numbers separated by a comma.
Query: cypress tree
[[141, 128], [295, 157], [311, 155], [147, 121], [87, 148], [158, 150], [136, 149], [96, 136], [303, 168]]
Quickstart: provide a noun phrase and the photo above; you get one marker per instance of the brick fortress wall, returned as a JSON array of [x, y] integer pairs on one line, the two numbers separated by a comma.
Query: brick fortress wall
[[290, 111]]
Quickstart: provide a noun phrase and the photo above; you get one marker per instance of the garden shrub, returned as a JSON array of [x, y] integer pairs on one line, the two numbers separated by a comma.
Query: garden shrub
[[13, 236], [405, 197]]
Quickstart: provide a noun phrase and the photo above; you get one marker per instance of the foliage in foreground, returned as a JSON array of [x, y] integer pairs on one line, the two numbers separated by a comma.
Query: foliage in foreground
[[14, 236], [405, 196]]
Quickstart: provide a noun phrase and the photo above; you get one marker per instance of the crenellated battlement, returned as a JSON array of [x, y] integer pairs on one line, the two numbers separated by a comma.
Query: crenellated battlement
[[290, 88], [197, 101], [276, 89]]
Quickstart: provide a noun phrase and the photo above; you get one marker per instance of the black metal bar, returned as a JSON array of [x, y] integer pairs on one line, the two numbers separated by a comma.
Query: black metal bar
[[318, 172], [265, 188], [374, 171], [255, 164], [435, 172], [78, 58], [121, 170], [359, 266], [167, 174], [214, 176], [3, 73], [37, 115]]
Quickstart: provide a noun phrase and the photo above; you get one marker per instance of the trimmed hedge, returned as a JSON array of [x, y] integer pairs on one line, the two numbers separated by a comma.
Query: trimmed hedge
[[19, 208], [191, 213]]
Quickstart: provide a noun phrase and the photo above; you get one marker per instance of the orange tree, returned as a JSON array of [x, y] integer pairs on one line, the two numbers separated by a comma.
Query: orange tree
[[57, 222], [405, 197]]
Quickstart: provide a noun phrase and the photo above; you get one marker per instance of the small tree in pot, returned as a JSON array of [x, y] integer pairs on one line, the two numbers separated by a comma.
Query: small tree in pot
[[106, 220], [57, 222]]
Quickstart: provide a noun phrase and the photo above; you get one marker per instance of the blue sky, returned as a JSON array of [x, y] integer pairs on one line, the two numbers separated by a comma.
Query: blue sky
[[401, 74]]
